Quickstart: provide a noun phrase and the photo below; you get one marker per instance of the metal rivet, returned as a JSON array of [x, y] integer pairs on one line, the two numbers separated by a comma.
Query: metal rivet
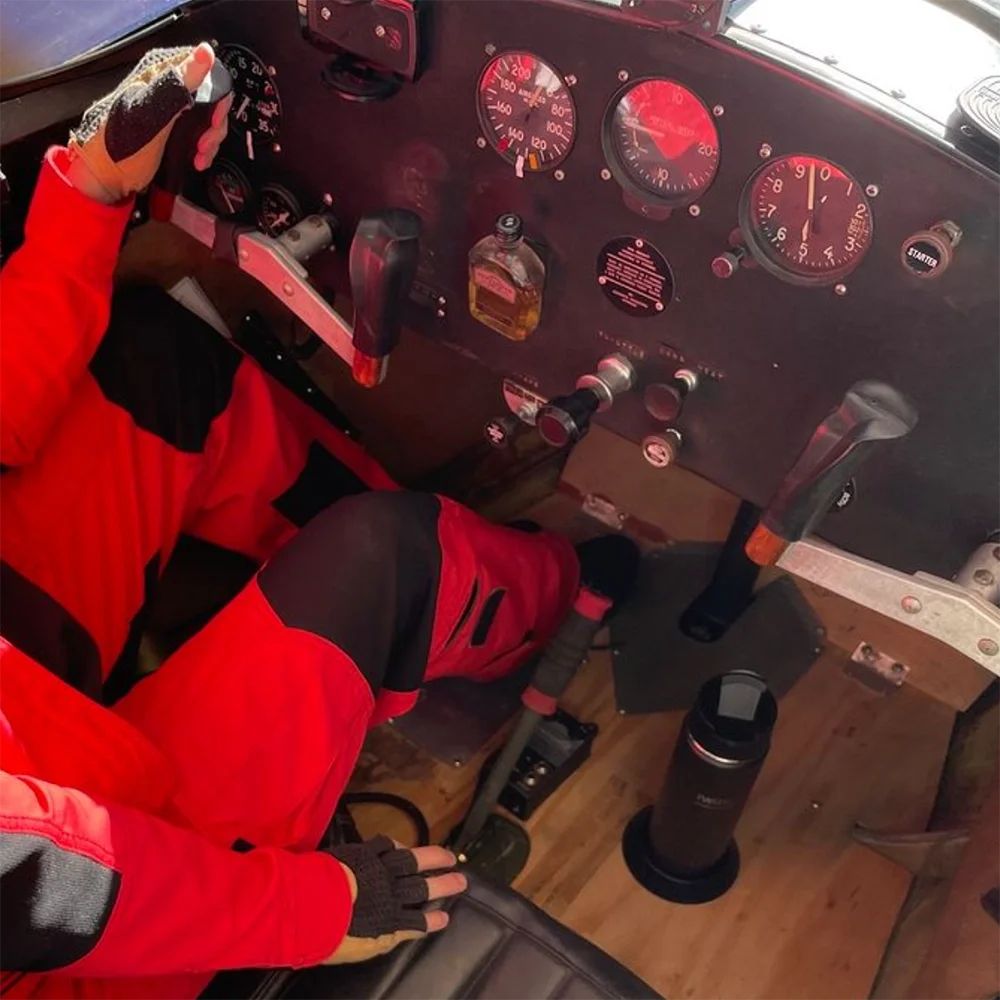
[[815, 804], [136, 215], [327, 198], [287, 288], [765, 150], [621, 711], [967, 130], [481, 142], [830, 60], [694, 210], [897, 668], [605, 174], [872, 190], [988, 647], [559, 175], [379, 31], [868, 653], [911, 605], [490, 49], [276, 148], [244, 255], [718, 110], [983, 577], [441, 314], [442, 301], [324, 12], [623, 75], [571, 80], [456, 762], [271, 71], [840, 288], [897, 93], [279, 357], [758, 29]]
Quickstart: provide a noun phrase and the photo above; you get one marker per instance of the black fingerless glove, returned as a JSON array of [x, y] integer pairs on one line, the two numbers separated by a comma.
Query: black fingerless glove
[[389, 889]]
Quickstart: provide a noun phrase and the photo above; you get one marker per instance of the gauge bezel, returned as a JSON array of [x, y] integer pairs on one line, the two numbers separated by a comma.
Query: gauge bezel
[[224, 165], [237, 126], [486, 126], [620, 171], [764, 254]]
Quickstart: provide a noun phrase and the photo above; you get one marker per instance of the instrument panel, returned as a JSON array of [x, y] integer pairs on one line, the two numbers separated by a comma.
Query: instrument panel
[[695, 205]]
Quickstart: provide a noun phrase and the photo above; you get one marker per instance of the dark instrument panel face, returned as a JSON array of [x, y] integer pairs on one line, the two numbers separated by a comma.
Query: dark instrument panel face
[[658, 147]]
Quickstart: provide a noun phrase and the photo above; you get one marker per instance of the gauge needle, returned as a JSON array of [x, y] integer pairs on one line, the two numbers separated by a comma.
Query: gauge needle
[[229, 201], [241, 110], [642, 128], [810, 202]]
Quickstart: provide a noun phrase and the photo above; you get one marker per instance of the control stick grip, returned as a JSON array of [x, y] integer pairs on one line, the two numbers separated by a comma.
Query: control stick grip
[[179, 154], [383, 263], [870, 412]]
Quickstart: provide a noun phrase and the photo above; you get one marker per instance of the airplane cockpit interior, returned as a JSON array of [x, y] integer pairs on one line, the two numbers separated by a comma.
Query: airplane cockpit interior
[[704, 291]]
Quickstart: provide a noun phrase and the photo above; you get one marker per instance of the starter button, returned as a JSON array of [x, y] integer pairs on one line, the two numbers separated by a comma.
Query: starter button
[[928, 254]]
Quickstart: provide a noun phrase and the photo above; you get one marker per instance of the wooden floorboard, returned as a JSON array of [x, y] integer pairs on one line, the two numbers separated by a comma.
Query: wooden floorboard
[[811, 912]]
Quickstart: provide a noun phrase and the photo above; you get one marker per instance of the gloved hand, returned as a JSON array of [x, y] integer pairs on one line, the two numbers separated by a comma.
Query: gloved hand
[[389, 890], [119, 143]]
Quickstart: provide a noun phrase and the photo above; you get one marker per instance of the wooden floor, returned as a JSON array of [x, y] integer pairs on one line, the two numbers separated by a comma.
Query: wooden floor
[[811, 912]]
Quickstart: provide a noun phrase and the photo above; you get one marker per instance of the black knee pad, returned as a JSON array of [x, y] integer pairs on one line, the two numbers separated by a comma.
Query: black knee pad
[[364, 575], [166, 367]]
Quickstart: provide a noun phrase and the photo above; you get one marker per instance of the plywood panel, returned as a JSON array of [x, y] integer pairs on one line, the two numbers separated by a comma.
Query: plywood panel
[[812, 911]]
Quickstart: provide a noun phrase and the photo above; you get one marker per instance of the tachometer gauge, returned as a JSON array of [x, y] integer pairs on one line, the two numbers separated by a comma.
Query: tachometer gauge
[[660, 142], [229, 191], [806, 219], [256, 109], [526, 111], [277, 210]]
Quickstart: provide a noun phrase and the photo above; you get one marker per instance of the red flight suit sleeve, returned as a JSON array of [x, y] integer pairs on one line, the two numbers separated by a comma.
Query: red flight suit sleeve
[[55, 294], [96, 889]]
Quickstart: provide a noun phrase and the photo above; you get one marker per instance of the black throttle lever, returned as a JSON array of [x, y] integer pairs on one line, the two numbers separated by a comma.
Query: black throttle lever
[[383, 264], [182, 146], [870, 412]]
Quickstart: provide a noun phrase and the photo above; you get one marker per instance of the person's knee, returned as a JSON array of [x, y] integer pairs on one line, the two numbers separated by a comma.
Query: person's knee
[[166, 367]]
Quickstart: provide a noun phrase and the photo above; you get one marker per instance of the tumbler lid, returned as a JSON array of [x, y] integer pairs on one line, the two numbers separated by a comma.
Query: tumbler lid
[[734, 715]]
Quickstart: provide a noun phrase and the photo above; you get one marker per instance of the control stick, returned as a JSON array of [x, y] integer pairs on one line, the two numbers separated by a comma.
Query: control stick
[[566, 419], [383, 263], [179, 153], [870, 412]]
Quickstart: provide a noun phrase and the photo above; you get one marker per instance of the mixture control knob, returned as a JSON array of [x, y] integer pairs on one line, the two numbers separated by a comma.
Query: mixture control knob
[[665, 400], [565, 419], [728, 262], [661, 450]]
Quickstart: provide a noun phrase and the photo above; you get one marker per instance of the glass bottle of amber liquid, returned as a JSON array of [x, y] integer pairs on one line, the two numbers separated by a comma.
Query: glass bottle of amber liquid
[[506, 279]]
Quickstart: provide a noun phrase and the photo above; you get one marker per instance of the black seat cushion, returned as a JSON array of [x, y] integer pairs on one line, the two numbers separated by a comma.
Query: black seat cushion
[[497, 946]]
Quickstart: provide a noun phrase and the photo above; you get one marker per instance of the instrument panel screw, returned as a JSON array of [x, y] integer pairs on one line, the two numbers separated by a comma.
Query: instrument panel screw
[[287, 288], [324, 12], [481, 142], [559, 175], [840, 288], [623, 75], [456, 762], [831, 60], [694, 211], [718, 110], [758, 29], [490, 49], [983, 577], [911, 605], [570, 80], [872, 190], [442, 301], [765, 150], [441, 314], [380, 31], [327, 198], [276, 148], [897, 93], [605, 174], [988, 647]]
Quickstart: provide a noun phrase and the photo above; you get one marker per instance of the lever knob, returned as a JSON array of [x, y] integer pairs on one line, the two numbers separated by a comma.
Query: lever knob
[[382, 265], [728, 262], [566, 419]]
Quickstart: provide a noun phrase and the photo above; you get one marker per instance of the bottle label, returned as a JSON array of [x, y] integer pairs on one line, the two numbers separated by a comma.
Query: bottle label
[[491, 282]]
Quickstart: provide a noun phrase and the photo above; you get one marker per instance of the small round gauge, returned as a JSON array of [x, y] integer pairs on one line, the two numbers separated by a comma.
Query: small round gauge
[[526, 111], [661, 142], [256, 109], [229, 191], [806, 219], [277, 210]]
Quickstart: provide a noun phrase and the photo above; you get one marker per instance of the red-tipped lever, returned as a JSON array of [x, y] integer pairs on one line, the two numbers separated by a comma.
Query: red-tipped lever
[[383, 262], [870, 412]]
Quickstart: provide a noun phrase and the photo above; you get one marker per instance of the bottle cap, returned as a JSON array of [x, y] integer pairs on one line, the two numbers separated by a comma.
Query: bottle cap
[[509, 227]]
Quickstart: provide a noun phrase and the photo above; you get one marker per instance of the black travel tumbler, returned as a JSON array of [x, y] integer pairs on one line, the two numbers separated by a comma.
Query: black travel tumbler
[[682, 848]]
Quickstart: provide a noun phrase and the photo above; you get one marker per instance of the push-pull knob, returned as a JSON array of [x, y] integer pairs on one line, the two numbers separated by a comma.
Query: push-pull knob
[[566, 419], [728, 262]]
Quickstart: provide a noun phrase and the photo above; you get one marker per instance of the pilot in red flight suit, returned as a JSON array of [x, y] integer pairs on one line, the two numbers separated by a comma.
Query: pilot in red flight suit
[[149, 844]]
